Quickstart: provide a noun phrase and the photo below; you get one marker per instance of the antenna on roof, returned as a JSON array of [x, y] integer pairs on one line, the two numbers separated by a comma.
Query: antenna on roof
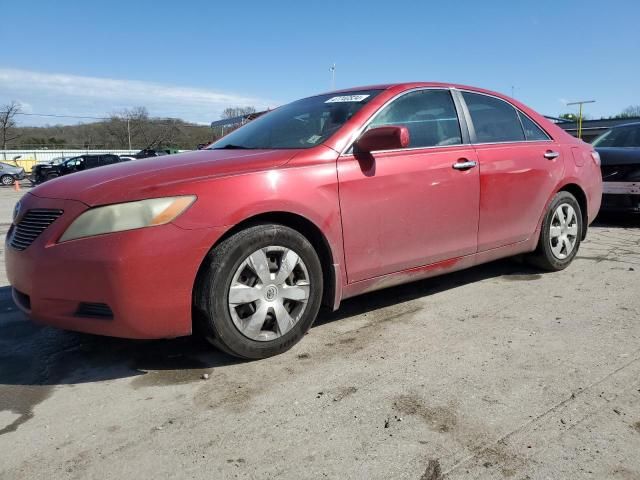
[[332, 69]]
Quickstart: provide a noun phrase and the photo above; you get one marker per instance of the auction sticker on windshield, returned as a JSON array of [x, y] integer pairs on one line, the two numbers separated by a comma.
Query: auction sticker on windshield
[[346, 98]]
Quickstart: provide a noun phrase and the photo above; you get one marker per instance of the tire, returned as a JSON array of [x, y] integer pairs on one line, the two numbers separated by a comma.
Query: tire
[[230, 278], [51, 176], [7, 180], [553, 252]]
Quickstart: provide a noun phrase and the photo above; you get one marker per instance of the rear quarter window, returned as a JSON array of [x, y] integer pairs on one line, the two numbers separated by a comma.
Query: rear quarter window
[[532, 131]]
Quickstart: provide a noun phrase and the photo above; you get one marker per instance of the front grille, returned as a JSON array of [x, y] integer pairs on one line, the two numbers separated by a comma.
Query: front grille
[[33, 223], [620, 173], [95, 310]]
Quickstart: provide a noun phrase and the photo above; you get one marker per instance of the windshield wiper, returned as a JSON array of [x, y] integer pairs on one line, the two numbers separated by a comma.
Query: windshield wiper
[[231, 146]]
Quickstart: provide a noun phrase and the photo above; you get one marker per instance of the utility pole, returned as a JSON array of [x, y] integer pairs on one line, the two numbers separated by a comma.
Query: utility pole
[[581, 102], [129, 131], [332, 69]]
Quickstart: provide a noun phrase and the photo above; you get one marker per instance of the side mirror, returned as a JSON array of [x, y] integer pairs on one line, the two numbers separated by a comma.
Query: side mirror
[[383, 138]]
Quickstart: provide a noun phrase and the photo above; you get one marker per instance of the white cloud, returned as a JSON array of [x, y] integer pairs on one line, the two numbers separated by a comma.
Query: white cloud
[[79, 95]]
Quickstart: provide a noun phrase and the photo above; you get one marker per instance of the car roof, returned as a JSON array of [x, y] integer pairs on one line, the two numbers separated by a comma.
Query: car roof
[[409, 85]]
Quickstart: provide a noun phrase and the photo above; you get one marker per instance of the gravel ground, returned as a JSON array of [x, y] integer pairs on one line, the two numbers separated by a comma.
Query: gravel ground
[[496, 372]]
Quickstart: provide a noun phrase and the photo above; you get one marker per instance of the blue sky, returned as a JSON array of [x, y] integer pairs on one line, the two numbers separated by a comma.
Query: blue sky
[[191, 59]]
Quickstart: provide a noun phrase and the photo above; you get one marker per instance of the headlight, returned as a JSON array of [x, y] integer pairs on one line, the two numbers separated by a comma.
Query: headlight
[[127, 216]]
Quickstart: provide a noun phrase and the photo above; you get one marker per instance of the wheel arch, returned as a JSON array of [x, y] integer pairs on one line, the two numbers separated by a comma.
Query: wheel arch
[[580, 195], [311, 232]]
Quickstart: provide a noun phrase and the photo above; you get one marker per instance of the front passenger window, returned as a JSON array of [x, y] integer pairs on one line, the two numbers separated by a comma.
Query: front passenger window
[[429, 115]]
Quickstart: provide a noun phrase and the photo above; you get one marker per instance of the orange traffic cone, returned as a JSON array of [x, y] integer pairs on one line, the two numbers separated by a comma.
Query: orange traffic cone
[[16, 185]]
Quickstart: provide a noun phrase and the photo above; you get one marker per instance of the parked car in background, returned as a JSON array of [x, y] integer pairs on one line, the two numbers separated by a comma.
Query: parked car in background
[[44, 172], [150, 152], [10, 173], [319, 200], [57, 160], [619, 150]]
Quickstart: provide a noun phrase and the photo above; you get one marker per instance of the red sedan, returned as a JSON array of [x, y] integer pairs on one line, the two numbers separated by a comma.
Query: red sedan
[[319, 200]]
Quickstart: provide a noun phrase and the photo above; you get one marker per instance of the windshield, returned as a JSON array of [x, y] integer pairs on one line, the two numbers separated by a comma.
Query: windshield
[[301, 124], [624, 137]]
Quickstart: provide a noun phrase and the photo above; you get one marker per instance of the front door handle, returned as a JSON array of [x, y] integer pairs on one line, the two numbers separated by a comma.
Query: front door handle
[[550, 155], [464, 164]]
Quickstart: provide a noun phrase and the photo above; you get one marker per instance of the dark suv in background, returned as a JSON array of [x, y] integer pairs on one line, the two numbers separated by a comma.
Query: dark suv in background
[[42, 173], [619, 150]]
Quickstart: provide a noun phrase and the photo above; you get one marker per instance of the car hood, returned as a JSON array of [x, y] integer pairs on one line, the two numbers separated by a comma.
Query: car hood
[[138, 179], [619, 156]]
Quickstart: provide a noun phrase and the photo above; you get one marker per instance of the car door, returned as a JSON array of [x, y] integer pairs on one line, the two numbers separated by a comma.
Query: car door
[[91, 161], [71, 165], [410, 207], [520, 165]]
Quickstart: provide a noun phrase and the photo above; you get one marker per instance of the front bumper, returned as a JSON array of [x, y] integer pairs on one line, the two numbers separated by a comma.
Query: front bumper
[[145, 277]]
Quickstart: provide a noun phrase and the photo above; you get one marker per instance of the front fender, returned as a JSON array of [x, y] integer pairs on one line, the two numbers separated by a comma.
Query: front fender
[[304, 188]]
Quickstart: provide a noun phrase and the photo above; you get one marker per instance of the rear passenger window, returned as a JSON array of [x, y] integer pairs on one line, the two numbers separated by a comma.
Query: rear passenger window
[[531, 130], [429, 115], [494, 120]]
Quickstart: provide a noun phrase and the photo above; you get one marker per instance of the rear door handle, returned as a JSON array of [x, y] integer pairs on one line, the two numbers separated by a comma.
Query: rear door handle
[[464, 165], [550, 155]]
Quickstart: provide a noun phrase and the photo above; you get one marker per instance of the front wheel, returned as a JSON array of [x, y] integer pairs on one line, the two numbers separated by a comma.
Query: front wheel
[[561, 234], [259, 291]]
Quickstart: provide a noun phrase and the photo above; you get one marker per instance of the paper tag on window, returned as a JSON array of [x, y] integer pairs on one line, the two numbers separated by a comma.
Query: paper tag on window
[[346, 98], [313, 138]]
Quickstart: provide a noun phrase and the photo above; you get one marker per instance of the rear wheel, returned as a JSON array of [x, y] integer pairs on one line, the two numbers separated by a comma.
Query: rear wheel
[[561, 234], [259, 291], [6, 180]]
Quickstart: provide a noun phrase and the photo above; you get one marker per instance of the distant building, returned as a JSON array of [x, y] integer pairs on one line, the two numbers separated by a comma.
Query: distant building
[[591, 128]]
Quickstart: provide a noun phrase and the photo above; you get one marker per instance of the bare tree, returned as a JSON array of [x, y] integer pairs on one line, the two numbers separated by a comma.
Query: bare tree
[[8, 123], [232, 112], [113, 133], [128, 126], [629, 112]]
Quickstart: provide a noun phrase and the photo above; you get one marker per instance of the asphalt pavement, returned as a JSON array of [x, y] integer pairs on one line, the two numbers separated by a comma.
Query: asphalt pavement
[[500, 371]]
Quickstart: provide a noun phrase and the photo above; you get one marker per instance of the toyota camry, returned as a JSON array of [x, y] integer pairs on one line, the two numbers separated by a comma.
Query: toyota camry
[[314, 202]]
